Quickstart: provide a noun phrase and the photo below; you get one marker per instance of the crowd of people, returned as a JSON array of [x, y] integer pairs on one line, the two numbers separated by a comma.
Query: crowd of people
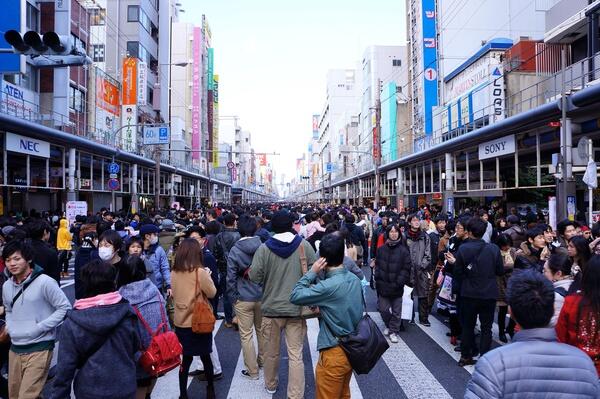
[[269, 267]]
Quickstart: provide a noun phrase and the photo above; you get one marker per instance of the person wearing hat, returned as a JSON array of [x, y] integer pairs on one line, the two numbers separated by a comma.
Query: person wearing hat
[[277, 267], [156, 256]]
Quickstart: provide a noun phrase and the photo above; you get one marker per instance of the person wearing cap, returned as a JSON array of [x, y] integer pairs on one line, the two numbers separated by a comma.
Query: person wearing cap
[[157, 257], [277, 267]]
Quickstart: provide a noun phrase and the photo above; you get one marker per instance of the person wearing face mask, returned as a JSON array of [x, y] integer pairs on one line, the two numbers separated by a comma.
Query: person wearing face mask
[[109, 250], [157, 257]]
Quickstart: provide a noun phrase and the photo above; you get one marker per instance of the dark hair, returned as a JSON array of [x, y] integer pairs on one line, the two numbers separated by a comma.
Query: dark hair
[[135, 240], [131, 270], [476, 226], [195, 229], [97, 277], [562, 226], [583, 250], [559, 262], [332, 248], [332, 228], [246, 226], [119, 225], [37, 228], [590, 283], [229, 219], [188, 256], [531, 298], [504, 240], [390, 227], [440, 218], [213, 227], [113, 238], [349, 219], [411, 217], [21, 246], [212, 212], [534, 232], [327, 218]]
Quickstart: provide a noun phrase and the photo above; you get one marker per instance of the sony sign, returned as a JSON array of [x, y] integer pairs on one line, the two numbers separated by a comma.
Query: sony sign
[[496, 148]]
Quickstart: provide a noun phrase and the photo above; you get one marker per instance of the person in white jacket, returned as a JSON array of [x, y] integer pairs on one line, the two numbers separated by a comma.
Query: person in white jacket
[[557, 269]]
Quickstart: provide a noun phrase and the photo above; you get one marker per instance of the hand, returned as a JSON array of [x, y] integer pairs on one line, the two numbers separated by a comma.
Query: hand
[[372, 263], [319, 265], [169, 292], [450, 258]]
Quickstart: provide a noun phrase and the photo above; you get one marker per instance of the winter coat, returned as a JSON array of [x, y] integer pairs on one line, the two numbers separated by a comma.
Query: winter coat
[[46, 257], [238, 262], [561, 288], [357, 236], [149, 301], [223, 244], [434, 239], [263, 234], [508, 262], [517, 235], [166, 239], [157, 257], [186, 288], [84, 255], [97, 350], [421, 269], [528, 257], [63, 238], [534, 366], [477, 265], [392, 269]]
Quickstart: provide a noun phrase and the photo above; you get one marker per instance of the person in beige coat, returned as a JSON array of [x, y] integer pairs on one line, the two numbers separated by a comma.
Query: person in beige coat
[[191, 282]]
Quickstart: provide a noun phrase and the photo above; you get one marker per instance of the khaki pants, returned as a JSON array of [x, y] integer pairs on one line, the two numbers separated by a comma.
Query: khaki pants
[[27, 373], [295, 331], [333, 374], [249, 315]]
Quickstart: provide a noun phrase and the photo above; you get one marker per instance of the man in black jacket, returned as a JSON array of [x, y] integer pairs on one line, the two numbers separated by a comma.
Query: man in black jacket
[[223, 244], [357, 236], [44, 255], [476, 266]]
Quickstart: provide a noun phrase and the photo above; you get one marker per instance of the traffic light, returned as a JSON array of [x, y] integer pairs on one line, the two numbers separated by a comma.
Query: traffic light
[[58, 49]]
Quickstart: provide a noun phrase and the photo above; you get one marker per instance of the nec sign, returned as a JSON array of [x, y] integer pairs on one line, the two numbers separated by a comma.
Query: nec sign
[[27, 145]]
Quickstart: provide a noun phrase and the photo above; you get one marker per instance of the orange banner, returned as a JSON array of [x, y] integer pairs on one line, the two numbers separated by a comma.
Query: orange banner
[[130, 81], [107, 96]]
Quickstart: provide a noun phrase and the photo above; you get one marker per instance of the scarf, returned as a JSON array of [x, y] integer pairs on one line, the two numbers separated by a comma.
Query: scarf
[[413, 235], [99, 300]]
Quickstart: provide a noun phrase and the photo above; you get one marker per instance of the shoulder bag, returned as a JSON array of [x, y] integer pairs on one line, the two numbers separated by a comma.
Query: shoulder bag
[[308, 312], [203, 318]]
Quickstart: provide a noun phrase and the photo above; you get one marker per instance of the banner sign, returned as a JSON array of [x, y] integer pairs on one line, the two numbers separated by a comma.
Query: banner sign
[[142, 85], [129, 83], [196, 90]]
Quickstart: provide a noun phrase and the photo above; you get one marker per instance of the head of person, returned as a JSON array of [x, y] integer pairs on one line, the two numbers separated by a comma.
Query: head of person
[[97, 277], [440, 223], [557, 267], [513, 220], [282, 222], [548, 233], [501, 224], [566, 229], [530, 297], [460, 231], [590, 283], [414, 222], [504, 242], [229, 220], [579, 249], [18, 258], [197, 233], [211, 214], [213, 227], [109, 245], [119, 225], [188, 256], [246, 226], [535, 237], [332, 249], [133, 269], [135, 246], [392, 232], [149, 233], [483, 215], [586, 232], [349, 219], [39, 230], [476, 227]]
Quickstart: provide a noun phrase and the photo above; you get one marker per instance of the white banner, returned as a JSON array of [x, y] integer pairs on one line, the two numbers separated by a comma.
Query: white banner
[[129, 133], [495, 148], [142, 89]]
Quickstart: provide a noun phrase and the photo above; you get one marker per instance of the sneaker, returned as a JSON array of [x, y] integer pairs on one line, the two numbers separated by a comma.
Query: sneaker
[[216, 377], [386, 332], [249, 376], [425, 323], [270, 391], [393, 338]]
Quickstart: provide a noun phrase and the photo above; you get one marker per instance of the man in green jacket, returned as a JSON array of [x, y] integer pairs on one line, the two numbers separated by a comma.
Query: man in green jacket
[[277, 267], [339, 297]]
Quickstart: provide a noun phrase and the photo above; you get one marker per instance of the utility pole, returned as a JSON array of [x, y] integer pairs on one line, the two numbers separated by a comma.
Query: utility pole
[[157, 179], [377, 143]]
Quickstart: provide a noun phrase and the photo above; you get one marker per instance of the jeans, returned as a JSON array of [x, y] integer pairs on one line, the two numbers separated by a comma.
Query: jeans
[[470, 309], [222, 292], [391, 312]]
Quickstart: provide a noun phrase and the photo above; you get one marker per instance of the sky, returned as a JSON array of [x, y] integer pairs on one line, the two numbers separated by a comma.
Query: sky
[[272, 57]]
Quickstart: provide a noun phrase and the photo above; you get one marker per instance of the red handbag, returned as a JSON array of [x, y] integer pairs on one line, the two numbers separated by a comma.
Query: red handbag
[[163, 354]]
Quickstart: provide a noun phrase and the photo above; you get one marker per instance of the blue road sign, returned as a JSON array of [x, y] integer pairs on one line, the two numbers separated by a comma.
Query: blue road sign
[[113, 168]]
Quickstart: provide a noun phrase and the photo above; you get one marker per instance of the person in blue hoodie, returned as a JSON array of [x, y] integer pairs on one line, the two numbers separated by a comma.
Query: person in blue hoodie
[[98, 341]]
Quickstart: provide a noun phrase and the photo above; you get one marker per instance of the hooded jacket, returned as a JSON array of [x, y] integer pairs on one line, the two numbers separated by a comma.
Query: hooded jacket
[[224, 242], [276, 265], [240, 259], [100, 343], [63, 238], [517, 235], [157, 257], [32, 319], [392, 269], [420, 256]]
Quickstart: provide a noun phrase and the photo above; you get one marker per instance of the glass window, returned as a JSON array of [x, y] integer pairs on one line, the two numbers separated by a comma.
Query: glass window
[[98, 16], [98, 52], [133, 13], [85, 171], [97, 177], [17, 173], [132, 49], [125, 178], [145, 21], [29, 80], [32, 16], [37, 172], [57, 167]]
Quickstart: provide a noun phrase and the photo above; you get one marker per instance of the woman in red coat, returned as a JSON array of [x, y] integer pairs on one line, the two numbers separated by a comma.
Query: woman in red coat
[[579, 320]]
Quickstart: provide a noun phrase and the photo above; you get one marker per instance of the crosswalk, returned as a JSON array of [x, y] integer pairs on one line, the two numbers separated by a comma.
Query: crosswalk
[[422, 365]]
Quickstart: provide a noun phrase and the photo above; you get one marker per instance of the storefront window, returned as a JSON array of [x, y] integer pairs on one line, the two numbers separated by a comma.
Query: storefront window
[[474, 175], [17, 172], [98, 174], [57, 167], [85, 171], [38, 168], [150, 182]]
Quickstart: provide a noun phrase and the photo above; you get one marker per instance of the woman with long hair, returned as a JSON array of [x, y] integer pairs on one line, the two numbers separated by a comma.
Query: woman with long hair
[[508, 254], [190, 282], [579, 320], [580, 253]]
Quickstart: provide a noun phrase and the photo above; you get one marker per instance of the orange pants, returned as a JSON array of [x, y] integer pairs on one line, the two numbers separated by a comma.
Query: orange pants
[[333, 374]]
